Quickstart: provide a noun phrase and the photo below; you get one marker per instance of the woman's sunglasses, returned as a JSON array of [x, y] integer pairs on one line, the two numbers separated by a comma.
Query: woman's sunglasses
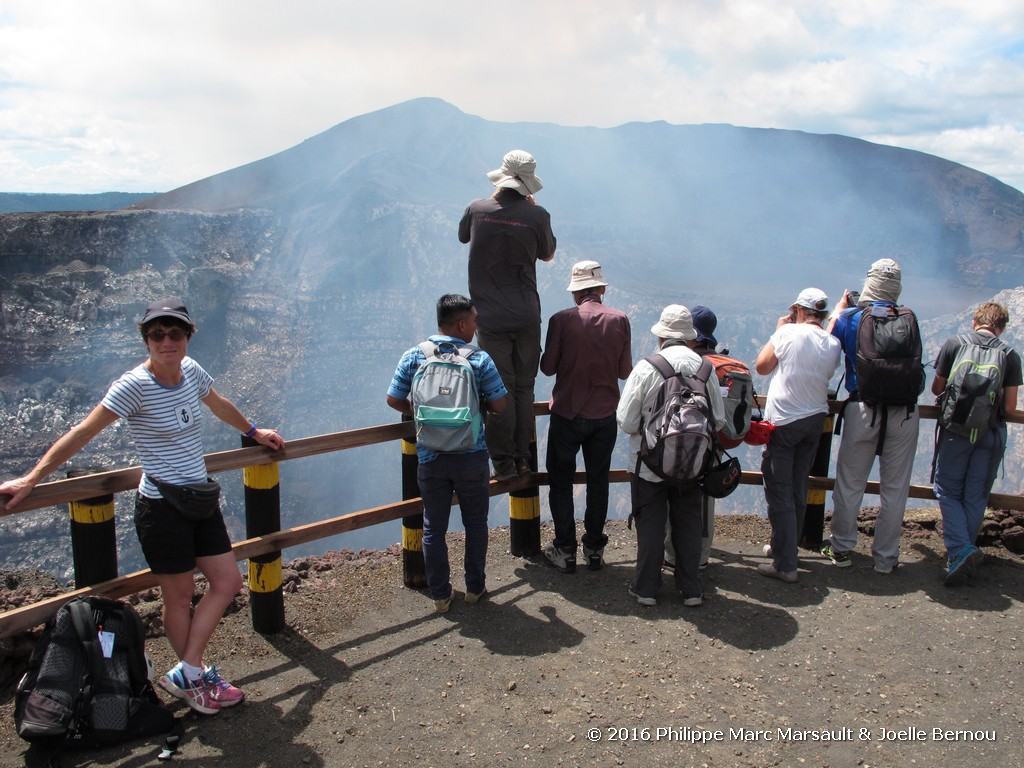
[[175, 334]]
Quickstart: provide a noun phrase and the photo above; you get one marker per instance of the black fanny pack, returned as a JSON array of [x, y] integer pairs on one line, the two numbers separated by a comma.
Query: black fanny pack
[[193, 501]]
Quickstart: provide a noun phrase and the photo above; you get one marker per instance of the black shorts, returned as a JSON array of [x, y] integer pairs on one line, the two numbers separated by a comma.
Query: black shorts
[[170, 543]]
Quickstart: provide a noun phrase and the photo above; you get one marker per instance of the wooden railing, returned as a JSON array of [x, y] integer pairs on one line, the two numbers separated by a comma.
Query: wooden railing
[[74, 489]]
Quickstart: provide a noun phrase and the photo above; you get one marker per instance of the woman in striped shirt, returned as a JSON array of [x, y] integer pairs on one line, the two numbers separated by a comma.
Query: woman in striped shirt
[[159, 400]]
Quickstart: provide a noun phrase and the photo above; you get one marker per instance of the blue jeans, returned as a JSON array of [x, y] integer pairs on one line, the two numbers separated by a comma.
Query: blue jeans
[[964, 473], [467, 475], [785, 464], [565, 438]]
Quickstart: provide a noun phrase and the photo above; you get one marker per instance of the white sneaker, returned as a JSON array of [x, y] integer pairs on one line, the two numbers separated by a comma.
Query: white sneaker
[[647, 602]]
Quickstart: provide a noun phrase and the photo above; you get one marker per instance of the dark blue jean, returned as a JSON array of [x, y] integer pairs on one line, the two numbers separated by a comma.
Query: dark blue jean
[[466, 474], [565, 439], [964, 474]]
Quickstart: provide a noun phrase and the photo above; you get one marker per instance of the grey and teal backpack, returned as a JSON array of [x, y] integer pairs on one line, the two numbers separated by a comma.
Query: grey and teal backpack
[[972, 400], [445, 401]]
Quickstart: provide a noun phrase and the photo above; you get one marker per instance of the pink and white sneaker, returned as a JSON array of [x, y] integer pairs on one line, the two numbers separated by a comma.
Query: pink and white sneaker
[[199, 694], [223, 692]]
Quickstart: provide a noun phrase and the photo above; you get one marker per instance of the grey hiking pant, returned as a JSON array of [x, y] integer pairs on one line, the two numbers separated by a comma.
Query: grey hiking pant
[[853, 465]]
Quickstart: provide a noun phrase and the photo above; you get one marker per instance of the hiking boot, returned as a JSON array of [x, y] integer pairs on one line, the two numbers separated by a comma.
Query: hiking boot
[[475, 597], [198, 694], [442, 605], [506, 470], [960, 567], [647, 602], [224, 693], [595, 558], [562, 559], [523, 467], [693, 602], [769, 570], [841, 559]]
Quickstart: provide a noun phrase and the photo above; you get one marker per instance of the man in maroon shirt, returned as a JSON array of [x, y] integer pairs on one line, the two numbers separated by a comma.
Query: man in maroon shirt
[[587, 351]]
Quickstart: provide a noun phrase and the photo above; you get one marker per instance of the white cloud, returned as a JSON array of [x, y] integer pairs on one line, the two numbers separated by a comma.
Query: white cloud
[[147, 96]]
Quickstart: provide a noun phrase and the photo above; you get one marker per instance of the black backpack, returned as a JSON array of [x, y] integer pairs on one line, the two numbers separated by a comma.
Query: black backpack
[[87, 682], [677, 443], [890, 369]]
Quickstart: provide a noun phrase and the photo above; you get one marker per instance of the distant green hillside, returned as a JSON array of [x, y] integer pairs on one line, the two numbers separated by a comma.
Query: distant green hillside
[[20, 202]]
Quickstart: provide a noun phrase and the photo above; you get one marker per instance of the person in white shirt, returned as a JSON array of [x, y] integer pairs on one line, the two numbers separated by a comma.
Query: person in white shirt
[[803, 358]]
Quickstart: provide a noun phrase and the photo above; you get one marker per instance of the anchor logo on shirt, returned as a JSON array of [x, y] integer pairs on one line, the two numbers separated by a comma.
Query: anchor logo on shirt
[[185, 416]]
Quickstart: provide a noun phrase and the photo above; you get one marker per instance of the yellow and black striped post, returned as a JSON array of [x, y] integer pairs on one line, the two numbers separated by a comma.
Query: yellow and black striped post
[[414, 571], [263, 516], [524, 512], [93, 536], [814, 517]]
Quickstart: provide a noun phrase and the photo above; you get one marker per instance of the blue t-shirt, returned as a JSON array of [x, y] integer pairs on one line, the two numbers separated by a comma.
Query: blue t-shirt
[[488, 384]]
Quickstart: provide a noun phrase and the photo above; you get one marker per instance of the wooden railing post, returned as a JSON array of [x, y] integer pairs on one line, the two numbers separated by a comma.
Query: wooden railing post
[[414, 570], [524, 512], [263, 516], [93, 536], [814, 518]]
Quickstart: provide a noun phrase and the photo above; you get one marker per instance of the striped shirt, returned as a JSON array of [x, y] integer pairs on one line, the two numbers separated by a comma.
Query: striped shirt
[[165, 423]]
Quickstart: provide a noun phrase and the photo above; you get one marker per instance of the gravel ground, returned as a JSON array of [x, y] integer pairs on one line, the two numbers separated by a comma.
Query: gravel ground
[[846, 668]]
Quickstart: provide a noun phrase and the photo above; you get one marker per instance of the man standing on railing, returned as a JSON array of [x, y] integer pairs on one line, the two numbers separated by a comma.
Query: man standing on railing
[[508, 233], [160, 402], [884, 377], [431, 381], [587, 350], [976, 381]]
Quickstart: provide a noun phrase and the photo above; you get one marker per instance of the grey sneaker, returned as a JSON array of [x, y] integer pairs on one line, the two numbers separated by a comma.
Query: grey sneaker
[[475, 597], [693, 602], [562, 559], [769, 570], [841, 559]]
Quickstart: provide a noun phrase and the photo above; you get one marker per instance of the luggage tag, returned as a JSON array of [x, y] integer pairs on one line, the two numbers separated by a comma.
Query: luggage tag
[[879, 310], [106, 643]]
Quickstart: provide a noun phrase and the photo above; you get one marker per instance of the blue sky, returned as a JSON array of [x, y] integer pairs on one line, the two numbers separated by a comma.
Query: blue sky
[[144, 96]]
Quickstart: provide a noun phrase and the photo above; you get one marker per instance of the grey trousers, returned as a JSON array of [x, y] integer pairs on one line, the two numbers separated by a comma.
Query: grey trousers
[[895, 465], [708, 512], [655, 504], [516, 355], [785, 464]]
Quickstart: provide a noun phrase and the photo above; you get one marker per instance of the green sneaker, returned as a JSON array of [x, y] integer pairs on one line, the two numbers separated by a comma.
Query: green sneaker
[[841, 559]]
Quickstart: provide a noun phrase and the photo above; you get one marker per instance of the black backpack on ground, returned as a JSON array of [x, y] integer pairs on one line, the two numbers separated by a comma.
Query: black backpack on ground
[[87, 682]]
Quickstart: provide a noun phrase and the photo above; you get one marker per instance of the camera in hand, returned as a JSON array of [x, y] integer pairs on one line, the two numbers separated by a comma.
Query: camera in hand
[[852, 297]]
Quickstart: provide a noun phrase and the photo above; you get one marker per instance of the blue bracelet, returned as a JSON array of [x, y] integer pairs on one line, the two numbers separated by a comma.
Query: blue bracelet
[[252, 430]]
